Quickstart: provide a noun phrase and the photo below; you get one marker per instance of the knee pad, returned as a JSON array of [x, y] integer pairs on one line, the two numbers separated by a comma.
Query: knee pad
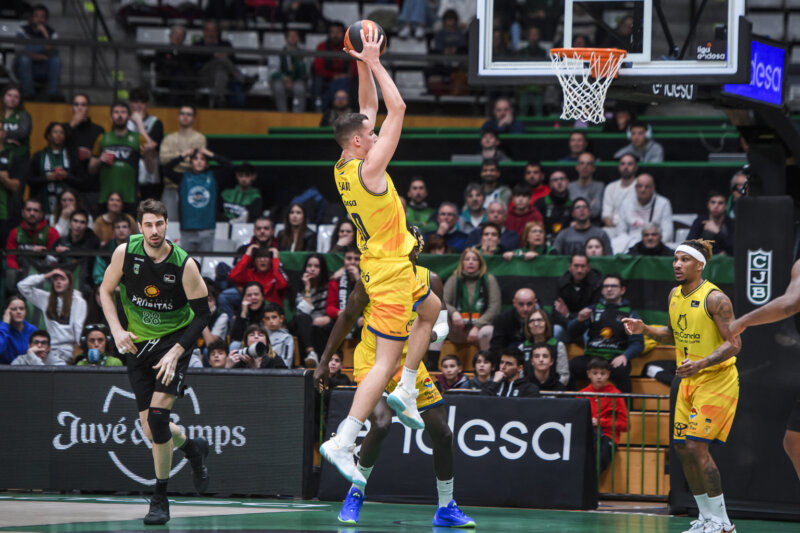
[[158, 420]]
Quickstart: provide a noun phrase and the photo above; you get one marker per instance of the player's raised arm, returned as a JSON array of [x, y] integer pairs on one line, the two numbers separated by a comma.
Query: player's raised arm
[[784, 306], [367, 93]]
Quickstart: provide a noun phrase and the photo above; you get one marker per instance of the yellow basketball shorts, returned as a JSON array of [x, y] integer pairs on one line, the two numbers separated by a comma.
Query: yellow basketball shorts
[[393, 289], [706, 405]]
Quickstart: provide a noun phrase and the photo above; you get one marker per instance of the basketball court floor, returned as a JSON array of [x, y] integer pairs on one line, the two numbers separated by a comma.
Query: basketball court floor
[[85, 513]]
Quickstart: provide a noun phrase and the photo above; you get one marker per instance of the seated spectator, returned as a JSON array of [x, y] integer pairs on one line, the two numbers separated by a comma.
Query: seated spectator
[[572, 239], [418, 212], [344, 236], [539, 330], [540, 369], [509, 381], [217, 327], [452, 376], [447, 218], [651, 243], [715, 225], [450, 39], [472, 296], [311, 325], [507, 329], [263, 235], [473, 214], [175, 68], [340, 106], [82, 133], [535, 178], [556, 207], [483, 364], [612, 417], [17, 124], [291, 76], [218, 355], [618, 190], [342, 283], [262, 265], [521, 212], [55, 168], [578, 288], [96, 349], [503, 120], [620, 122], [38, 352], [496, 214], [184, 140], [578, 144], [337, 378], [490, 146], [607, 338], [218, 70], [279, 337], [531, 49], [642, 144], [68, 201], [296, 235], [34, 233], [739, 188], [586, 186], [534, 243], [413, 18], [254, 334], [435, 245], [490, 239], [15, 331], [64, 311], [595, 247], [644, 207], [104, 226], [242, 203], [329, 75], [252, 311], [79, 237], [122, 231], [36, 62], [490, 179]]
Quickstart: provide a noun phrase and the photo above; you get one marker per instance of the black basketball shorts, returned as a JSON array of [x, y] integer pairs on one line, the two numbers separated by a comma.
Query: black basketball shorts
[[142, 375]]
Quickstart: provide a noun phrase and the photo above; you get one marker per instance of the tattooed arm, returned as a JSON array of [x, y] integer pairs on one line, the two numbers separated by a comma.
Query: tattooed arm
[[661, 334], [721, 310]]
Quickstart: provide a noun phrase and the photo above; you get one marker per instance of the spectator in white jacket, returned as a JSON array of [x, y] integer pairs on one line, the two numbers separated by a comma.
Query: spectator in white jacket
[[38, 351], [64, 310], [643, 208]]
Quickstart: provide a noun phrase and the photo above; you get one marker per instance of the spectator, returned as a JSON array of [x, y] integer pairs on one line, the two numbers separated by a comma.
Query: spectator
[[175, 68], [218, 355], [556, 207], [503, 120], [449, 40], [573, 239], [255, 334], [612, 417], [345, 235], [413, 16], [296, 235], [263, 235], [507, 329], [66, 203], [217, 327], [311, 325], [452, 376], [534, 244], [218, 70], [242, 203], [337, 378], [36, 62], [490, 146], [540, 369], [79, 237], [496, 214], [435, 245], [532, 49], [642, 144], [618, 190], [473, 214], [595, 247], [447, 219], [472, 296], [342, 283], [291, 75], [492, 190], [539, 330], [578, 288], [418, 212], [307, 11], [607, 338], [578, 144], [521, 212], [651, 243], [715, 226], [94, 344], [55, 168], [262, 265], [509, 380], [484, 368], [465, 9], [328, 74], [279, 337], [17, 124], [534, 177], [341, 106], [38, 352], [15, 331], [10, 183], [175, 144], [738, 189], [35, 234], [82, 133], [122, 230], [64, 311], [116, 156], [152, 127], [104, 225], [586, 187], [643, 208], [251, 312], [620, 123]]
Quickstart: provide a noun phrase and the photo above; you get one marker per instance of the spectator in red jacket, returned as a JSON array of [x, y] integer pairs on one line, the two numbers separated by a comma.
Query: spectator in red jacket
[[342, 283], [263, 265], [331, 74], [613, 417], [34, 233], [520, 211]]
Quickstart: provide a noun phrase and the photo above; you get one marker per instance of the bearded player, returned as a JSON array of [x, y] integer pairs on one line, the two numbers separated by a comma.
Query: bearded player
[[375, 208], [700, 316]]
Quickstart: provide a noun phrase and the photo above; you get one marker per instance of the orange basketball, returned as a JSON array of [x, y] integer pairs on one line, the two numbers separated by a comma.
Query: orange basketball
[[352, 38]]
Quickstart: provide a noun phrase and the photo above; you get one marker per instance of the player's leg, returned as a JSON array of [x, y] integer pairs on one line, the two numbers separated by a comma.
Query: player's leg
[[161, 437], [791, 443]]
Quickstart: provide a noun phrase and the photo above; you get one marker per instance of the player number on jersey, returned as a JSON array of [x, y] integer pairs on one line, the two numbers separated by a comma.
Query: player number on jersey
[[150, 318], [362, 230]]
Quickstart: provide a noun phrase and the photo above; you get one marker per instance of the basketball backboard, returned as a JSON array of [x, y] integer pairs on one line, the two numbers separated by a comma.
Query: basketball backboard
[[704, 42]]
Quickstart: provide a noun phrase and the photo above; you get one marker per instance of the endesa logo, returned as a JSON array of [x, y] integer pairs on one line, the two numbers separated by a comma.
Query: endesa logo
[[766, 75]]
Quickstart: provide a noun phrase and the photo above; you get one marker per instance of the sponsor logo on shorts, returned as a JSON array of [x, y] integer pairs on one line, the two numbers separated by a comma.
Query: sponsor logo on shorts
[[694, 414], [151, 291], [427, 382], [708, 420], [680, 427]]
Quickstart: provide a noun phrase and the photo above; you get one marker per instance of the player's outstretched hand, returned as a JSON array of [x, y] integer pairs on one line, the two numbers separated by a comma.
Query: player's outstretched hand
[[633, 326], [371, 48], [125, 342]]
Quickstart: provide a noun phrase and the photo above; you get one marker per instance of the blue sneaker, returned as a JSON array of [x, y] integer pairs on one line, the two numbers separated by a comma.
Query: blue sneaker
[[352, 506], [451, 516]]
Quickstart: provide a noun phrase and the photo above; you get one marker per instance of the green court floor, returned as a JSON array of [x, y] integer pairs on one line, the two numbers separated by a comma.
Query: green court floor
[[115, 513]]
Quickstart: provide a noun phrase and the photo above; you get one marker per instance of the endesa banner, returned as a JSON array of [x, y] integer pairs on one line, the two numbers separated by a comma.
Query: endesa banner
[[78, 429], [525, 452]]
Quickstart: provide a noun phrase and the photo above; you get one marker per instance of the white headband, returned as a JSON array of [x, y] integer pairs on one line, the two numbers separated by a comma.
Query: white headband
[[691, 251]]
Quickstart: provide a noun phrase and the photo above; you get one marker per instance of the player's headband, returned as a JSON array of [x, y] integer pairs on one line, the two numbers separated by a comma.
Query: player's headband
[[691, 251]]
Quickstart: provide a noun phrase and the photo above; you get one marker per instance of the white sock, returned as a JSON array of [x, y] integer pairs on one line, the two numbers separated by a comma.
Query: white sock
[[409, 379], [445, 490], [349, 431], [703, 506], [364, 472], [717, 509]]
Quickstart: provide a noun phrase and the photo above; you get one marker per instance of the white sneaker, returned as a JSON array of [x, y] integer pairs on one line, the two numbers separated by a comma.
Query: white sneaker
[[419, 32], [404, 404], [342, 458], [405, 32], [714, 526], [698, 526]]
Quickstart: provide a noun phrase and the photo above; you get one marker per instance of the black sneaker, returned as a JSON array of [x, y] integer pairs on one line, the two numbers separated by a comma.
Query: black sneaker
[[159, 511], [198, 461]]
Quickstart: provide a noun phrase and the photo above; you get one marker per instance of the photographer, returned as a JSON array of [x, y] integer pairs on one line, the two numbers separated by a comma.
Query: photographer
[[255, 351]]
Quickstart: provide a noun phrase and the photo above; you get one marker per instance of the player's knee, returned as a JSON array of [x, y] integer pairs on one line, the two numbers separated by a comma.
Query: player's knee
[[381, 424], [158, 420], [442, 436], [146, 428], [699, 450]]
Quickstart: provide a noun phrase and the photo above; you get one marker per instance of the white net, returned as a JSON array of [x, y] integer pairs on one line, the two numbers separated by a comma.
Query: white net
[[585, 76]]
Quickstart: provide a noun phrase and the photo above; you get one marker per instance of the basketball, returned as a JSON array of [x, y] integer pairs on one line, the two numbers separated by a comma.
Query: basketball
[[352, 39]]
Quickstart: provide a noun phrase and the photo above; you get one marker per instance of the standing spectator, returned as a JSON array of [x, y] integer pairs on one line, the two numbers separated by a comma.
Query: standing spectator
[[342, 283], [738, 189], [296, 236], [328, 74], [483, 364], [521, 212], [492, 190], [618, 190], [715, 225], [79, 237], [122, 231], [643, 208], [573, 239], [67, 202], [116, 157], [262, 265], [345, 235], [104, 225], [242, 203], [490, 239], [472, 296], [15, 135], [153, 129], [311, 325], [612, 417], [35, 234], [556, 207], [586, 187], [55, 168], [175, 144], [490, 146], [337, 378], [95, 347], [540, 369], [534, 176], [539, 330], [503, 120], [340, 106], [64, 311], [577, 145], [10, 183], [651, 243], [507, 329], [642, 144], [449, 40], [38, 352], [496, 214], [36, 62], [291, 76], [452, 376], [607, 338], [15, 331], [414, 17], [473, 214], [418, 212], [218, 70], [595, 247], [534, 243], [509, 381], [175, 68], [447, 219], [578, 288], [82, 133], [279, 337]]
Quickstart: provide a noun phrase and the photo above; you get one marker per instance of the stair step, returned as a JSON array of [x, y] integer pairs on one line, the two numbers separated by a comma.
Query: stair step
[[629, 477]]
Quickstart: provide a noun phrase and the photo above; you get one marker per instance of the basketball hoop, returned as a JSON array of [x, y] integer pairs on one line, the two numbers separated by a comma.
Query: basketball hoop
[[585, 75]]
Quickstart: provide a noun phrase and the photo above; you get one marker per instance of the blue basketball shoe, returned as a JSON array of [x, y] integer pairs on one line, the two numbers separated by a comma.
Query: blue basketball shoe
[[352, 507], [451, 516]]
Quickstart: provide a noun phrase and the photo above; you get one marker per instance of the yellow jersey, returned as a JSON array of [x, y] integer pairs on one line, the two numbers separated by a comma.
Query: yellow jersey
[[380, 219], [696, 333]]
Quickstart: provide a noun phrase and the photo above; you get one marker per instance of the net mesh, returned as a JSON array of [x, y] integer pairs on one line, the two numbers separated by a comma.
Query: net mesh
[[585, 75]]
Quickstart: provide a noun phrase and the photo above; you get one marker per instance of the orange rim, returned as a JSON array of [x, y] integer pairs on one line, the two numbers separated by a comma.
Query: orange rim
[[601, 56]]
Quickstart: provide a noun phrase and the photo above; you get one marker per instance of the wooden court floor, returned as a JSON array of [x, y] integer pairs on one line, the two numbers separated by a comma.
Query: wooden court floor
[[56, 513]]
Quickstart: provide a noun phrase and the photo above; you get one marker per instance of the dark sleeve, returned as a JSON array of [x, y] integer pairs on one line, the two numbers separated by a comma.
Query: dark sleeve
[[490, 387], [696, 230], [157, 133], [239, 325], [529, 390], [76, 174], [224, 173], [169, 169], [255, 209], [499, 339], [35, 175], [310, 243], [24, 129], [576, 327]]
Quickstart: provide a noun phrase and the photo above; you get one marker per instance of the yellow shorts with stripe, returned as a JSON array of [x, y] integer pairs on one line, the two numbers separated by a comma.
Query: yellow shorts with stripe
[[393, 289], [706, 405]]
